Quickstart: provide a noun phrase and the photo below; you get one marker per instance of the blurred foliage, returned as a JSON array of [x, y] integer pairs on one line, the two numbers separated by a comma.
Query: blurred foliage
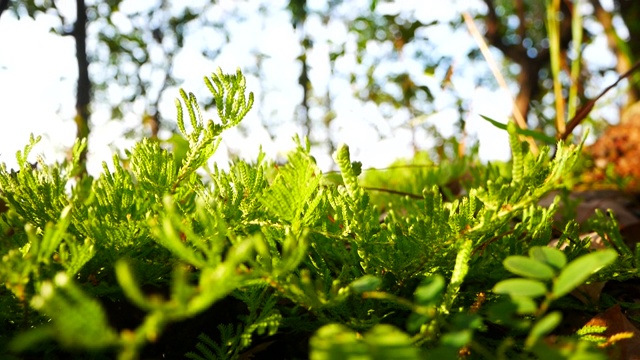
[[132, 51]]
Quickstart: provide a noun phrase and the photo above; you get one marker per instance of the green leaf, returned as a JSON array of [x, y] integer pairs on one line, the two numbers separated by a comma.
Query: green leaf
[[530, 133], [430, 290], [517, 154], [387, 342], [460, 270], [543, 327], [528, 267], [229, 95], [520, 287], [457, 339], [130, 287], [383, 341], [77, 319], [579, 270], [524, 305], [365, 283], [551, 256], [336, 341], [349, 174]]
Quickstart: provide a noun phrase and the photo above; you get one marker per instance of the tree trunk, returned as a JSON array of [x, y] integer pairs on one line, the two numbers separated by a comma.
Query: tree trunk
[[4, 5], [83, 94]]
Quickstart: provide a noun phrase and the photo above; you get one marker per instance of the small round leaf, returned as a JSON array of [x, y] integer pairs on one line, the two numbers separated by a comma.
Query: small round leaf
[[520, 287], [429, 290], [551, 256], [579, 270], [543, 327], [365, 283], [528, 267], [524, 305]]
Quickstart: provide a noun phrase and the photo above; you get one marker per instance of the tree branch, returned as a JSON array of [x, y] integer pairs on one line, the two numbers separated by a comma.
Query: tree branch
[[586, 109], [528, 78], [4, 5]]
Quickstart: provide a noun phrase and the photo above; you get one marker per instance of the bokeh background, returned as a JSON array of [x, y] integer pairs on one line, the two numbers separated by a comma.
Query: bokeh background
[[389, 78]]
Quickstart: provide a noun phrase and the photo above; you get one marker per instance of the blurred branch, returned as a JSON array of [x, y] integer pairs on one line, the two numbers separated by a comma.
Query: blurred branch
[[586, 109], [529, 67], [528, 77], [576, 87], [617, 45], [517, 115], [522, 30], [553, 34]]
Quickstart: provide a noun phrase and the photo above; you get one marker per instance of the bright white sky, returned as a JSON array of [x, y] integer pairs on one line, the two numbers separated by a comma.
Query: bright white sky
[[38, 75]]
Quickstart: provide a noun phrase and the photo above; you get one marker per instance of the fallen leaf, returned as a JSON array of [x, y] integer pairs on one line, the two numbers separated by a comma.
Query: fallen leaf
[[616, 322], [622, 204], [589, 293], [631, 234], [596, 242]]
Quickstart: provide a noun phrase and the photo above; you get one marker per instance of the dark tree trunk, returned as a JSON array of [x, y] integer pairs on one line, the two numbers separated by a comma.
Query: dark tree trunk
[[4, 5], [83, 95], [528, 79], [529, 83]]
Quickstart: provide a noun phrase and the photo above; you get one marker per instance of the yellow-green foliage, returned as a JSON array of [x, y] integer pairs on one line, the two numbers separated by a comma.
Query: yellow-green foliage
[[303, 251]]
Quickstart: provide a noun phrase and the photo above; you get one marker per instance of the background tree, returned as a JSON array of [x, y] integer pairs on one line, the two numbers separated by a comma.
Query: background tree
[[129, 53], [389, 54], [519, 30], [626, 48]]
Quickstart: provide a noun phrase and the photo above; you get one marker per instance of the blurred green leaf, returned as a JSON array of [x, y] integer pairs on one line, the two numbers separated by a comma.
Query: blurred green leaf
[[77, 320], [387, 342], [429, 290], [365, 283], [543, 327], [336, 341], [551, 256], [579, 270], [524, 304], [529, 133], [528, 267], [520, 287], [383, 341]]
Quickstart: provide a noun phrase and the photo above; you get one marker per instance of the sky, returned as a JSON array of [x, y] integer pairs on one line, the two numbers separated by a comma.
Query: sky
[[38, 74]]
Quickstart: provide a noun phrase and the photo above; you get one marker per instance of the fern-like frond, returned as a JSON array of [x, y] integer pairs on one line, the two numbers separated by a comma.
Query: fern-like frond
[[293, 194], [115, 193], [77, 320], [229, 95], [517, 154], [349, 173], [154, 168], [37, 192]]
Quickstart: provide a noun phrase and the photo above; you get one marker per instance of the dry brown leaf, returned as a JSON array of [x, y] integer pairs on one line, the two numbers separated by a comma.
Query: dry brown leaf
[[631, 234], [620, 203], [596, 242], [589, 293], [616, 322], [620, 146]]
